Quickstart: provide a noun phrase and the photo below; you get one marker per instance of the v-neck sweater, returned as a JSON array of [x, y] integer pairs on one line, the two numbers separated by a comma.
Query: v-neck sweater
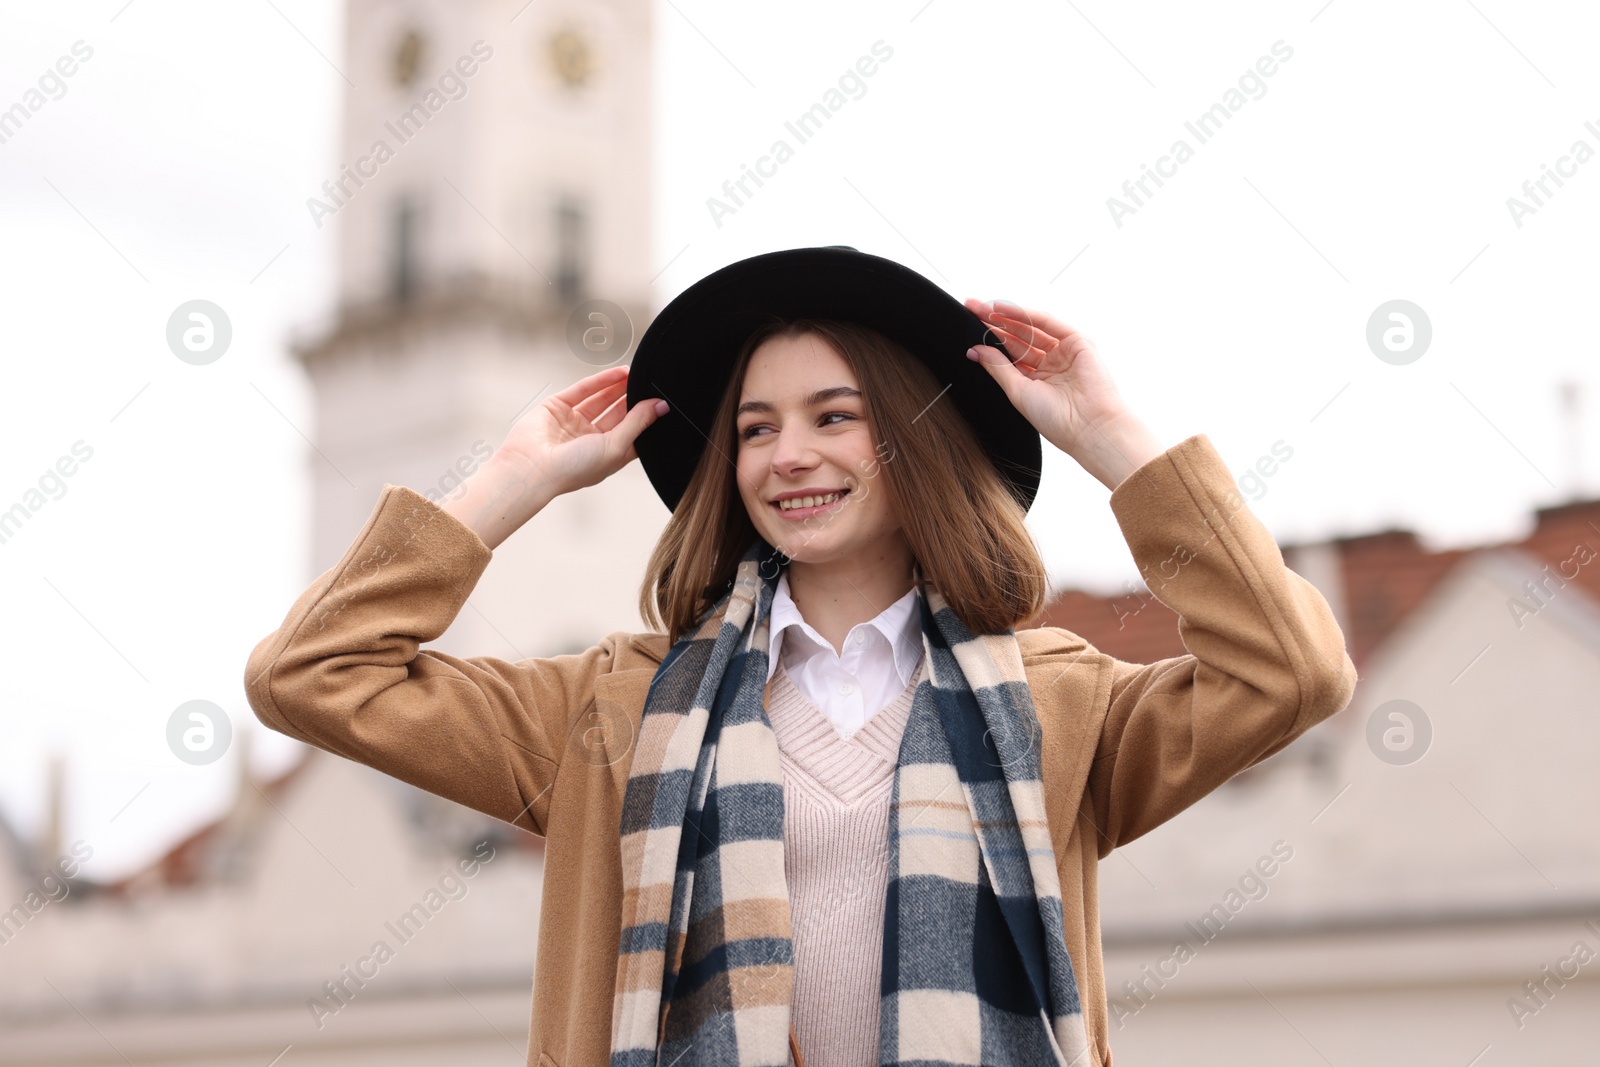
[[836, 795]]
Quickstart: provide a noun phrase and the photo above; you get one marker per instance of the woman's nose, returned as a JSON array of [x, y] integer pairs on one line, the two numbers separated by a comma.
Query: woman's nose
[[794, 450]]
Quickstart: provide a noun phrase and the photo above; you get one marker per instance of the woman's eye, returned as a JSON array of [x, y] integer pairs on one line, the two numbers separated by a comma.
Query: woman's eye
[[750, 431]]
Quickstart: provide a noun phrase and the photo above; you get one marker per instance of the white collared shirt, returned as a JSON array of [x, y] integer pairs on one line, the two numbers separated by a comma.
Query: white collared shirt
[[880, 658]]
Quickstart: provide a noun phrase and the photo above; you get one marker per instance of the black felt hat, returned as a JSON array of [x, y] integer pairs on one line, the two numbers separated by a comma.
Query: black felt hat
[[687, 354]]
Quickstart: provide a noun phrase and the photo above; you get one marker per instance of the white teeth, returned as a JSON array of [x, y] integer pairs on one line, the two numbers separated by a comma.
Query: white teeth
[[808, 501]]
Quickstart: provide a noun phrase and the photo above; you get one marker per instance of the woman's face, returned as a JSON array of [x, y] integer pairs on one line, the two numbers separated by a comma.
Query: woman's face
[[802, 431]]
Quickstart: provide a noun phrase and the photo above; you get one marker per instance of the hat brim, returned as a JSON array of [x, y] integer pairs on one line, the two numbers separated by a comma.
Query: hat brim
[[686, 356]]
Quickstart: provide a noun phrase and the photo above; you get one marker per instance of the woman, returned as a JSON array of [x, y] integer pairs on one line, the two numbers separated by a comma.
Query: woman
[[840, 810]]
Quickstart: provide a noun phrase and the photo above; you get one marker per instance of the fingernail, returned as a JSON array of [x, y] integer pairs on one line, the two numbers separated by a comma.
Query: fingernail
[[661, 407]]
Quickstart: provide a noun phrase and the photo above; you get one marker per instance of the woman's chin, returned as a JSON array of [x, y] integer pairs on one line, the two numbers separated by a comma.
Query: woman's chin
[[800, 548]]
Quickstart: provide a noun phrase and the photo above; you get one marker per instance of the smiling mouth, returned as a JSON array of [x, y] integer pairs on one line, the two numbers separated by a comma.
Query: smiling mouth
[[822, 503]]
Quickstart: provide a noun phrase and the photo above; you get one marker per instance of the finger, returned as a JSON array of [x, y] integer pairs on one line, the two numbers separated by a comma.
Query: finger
[[616, 412], [1019, 325], [1000, 369], [1025, 332], [575, 393], [1028, 330], [632, 424], [597, 402], [981, 308], [1041, 321], [1020, 349]]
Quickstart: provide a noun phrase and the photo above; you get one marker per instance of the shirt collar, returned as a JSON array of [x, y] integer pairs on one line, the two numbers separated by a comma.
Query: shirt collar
[[900, 624]]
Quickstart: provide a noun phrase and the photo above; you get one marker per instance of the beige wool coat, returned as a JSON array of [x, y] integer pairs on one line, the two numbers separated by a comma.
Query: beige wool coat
[[544, 743]]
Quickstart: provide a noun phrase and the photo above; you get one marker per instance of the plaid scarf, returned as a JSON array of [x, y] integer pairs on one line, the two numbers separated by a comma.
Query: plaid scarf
[[975, 968]]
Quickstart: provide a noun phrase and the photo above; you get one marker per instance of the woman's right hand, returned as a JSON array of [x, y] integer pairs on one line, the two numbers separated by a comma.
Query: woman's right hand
[[581, 435], [571, 440]]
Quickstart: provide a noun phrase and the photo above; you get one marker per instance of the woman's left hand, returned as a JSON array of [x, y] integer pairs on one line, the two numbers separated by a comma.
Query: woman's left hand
[[1059, 384]]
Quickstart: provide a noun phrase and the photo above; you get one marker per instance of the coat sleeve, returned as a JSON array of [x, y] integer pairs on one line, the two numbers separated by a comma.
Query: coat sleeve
[[1266, 660], [344, 671]]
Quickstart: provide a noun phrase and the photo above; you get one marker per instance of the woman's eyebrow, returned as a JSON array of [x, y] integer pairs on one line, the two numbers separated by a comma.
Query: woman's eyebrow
[[821, 396]]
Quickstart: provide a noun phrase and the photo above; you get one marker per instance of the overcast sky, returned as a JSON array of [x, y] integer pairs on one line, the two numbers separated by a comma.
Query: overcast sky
[[1373, 164]]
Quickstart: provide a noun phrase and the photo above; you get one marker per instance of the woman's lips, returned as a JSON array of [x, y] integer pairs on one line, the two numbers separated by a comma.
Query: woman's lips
[[804, 513]]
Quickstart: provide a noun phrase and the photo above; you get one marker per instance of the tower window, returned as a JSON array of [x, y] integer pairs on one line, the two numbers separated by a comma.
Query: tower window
[[403, 251], [571, 241], [409, 55]]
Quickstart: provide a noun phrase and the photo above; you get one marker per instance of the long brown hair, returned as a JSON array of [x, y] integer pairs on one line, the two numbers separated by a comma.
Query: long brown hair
[[973, 545]]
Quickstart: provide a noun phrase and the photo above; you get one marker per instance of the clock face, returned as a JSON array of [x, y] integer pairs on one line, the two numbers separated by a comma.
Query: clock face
[[408, 56], [570, 56]]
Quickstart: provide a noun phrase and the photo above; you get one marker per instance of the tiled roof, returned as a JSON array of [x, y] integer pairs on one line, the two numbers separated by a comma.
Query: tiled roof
[[1386, 576], [186, 863], [196, 858]]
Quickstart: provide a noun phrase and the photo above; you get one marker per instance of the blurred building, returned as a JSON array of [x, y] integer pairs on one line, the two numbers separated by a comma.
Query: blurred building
[[258, 936], [1440, 899]]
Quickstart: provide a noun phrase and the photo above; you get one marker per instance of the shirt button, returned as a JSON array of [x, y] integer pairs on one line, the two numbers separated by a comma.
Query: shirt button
[[847, 689]]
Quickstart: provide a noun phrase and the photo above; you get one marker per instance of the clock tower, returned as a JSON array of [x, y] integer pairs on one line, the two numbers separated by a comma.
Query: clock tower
[[492, 193]]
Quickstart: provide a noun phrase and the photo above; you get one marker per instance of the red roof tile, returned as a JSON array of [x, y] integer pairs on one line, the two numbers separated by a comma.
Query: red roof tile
[[1386, 576]]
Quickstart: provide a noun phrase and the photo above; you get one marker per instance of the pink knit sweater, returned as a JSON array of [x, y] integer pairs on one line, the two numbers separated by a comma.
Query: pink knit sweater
[[835, 858]]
